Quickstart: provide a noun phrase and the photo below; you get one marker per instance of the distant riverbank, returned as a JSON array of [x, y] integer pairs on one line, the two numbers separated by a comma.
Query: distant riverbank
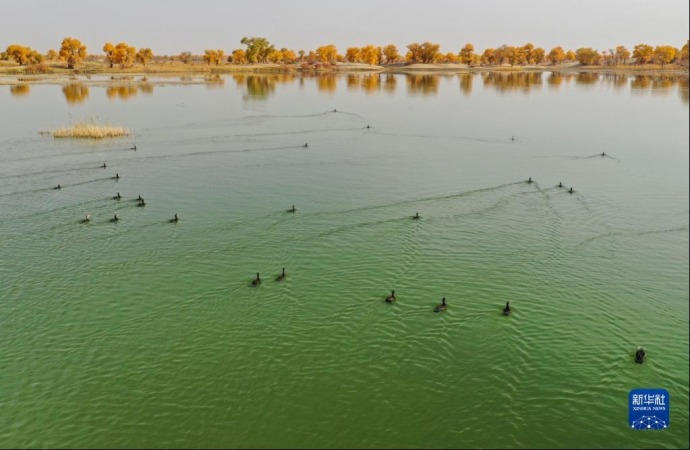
[[15, 74]]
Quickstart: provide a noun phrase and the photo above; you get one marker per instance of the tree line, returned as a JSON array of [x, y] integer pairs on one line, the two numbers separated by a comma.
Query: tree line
[[260, 50]]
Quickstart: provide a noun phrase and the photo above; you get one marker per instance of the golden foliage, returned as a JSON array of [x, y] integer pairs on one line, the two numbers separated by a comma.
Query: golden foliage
[[390, 52], [75, 92], [643, 53], [23, 55], [72, 51], [556, 55], [353, 54], [239, 57], [327, 54], [466, 53], [588, 56], [144, 55]]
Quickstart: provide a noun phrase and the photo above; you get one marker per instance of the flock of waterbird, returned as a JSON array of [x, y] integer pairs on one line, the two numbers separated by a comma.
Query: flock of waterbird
[[391, 298]]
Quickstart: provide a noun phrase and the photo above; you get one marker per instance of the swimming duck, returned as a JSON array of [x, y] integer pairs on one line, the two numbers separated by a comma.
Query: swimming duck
[[306, 145], [116, 177], [639, 356], [442, 306], [174, 219], [512, 138], [570, 191], [530, 180], [134, 148], [280, 277], [141, 203], [603, 154], [115, 218], [58, 187], [391, 298], [416, 216], [257, 281], [86, 219], [103, 166], [117, 197], [560, 184], [506, 310], [291, 210]]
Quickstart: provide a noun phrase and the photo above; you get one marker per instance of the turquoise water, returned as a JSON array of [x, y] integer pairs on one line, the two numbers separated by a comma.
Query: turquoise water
[[146, 333]]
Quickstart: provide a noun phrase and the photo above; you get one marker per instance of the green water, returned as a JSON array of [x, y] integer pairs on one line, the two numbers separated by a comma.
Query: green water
[[145, 333]]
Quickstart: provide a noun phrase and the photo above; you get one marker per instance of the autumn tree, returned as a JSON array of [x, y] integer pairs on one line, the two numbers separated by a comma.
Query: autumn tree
[[289, 56], [488, 56], [664, 54], [538, 55], [185, 57], [424, 53], [258, 49], [556, 55], [210, 56], [451, 57], [587, 56], [19, 53], [144, 55], [622, 54], [72, 51], [570, 55], [109, 49], [684, 53], [327, 53], [123, 55], [643, 53], [370, 54], [239, 56], [353, 54], [52, 55], [391, 53], [466, 53]]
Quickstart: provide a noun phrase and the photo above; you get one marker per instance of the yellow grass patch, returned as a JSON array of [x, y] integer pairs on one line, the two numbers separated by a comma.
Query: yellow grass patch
[[89, 129]]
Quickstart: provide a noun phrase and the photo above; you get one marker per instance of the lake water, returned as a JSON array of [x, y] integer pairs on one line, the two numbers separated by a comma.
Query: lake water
[[146, 333]]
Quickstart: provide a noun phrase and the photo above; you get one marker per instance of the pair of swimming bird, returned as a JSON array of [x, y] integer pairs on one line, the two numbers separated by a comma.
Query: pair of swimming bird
[[443, 305], [560, 185], [257, 281]]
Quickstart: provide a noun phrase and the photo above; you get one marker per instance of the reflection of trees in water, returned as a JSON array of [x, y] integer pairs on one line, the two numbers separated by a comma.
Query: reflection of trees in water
[[556, 79], [75, 92], [390, 83], [617, 80], [326, 82], [466, 83], [19, 90], [660, 85], [146, 88], [352, 82], [371, 82], [586, 78], [214, 81], [422, 84], [512, 81], [259, 87], [122, 91], [683, 89]]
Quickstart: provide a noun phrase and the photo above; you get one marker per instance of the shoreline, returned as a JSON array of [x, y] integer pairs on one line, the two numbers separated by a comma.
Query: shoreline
[[10, 75]]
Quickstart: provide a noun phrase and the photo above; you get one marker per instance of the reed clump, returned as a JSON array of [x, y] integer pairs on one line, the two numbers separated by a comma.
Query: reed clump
[[90, 130]]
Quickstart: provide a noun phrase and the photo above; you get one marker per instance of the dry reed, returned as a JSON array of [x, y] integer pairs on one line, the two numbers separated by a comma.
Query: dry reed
[[89, 129]]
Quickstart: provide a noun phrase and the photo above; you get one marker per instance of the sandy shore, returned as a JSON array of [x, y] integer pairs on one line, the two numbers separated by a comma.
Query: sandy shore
[[204, 74]]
